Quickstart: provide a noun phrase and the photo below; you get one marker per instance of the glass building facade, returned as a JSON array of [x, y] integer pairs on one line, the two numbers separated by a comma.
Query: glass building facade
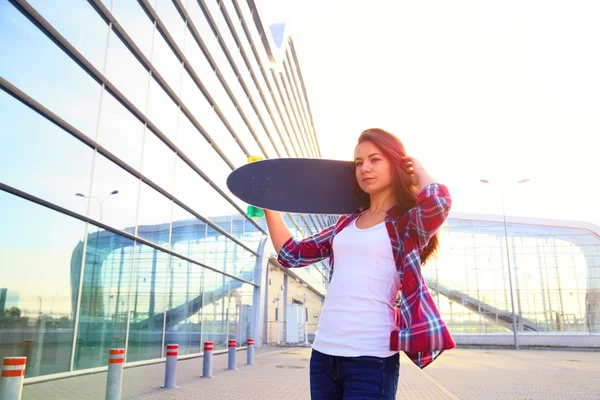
[[545, 272], [119, 124]]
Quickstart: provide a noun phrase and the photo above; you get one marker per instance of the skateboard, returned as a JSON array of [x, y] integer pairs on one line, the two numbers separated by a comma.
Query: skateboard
[[298, 185]]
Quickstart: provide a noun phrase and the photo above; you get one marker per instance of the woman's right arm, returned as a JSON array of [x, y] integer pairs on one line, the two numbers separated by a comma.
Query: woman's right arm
[[278, 231], [293, 253]]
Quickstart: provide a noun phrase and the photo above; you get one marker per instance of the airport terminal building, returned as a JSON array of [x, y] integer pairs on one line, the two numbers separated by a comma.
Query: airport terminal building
[[119, 124]]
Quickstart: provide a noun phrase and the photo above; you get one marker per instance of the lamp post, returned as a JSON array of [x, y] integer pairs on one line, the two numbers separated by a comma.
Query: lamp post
[[94, 292], [512, 299], [101, 202]]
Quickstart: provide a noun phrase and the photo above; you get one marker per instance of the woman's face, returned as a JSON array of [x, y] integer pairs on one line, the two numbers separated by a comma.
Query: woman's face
[[373, 169]]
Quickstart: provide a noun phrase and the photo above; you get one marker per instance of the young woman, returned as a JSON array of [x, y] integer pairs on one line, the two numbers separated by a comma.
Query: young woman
[[377, 302]]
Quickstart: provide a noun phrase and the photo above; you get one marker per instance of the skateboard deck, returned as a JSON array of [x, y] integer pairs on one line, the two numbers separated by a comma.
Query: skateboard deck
[[298, 185]]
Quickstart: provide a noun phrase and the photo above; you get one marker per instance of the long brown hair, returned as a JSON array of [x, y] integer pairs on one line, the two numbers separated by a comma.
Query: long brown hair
[[406, 192]]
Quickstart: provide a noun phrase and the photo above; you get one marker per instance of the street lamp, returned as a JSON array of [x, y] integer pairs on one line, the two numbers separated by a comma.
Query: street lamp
[[94, 292], [512, 299], [101, 202]]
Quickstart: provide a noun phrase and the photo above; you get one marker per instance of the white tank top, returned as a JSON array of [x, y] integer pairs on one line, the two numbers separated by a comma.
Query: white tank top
[[358, 313]]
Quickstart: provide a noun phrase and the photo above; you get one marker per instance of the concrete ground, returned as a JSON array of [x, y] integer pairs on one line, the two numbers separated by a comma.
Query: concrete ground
[[282, 373]]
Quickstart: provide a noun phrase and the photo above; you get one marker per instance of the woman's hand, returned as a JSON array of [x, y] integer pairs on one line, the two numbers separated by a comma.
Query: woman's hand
[[419, 175]]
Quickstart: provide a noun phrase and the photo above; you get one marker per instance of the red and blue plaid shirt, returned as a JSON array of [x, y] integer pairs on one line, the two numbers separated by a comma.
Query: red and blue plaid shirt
[[422, 334]]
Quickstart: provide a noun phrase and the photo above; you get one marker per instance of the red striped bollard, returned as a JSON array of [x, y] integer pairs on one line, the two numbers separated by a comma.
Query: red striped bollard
[[171, 367], [114, 378], [250, 351], [13, 373], [232, 346], [207, 364]]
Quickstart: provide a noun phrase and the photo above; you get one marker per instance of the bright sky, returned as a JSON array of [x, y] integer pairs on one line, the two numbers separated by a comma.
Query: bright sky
[[501, 90]]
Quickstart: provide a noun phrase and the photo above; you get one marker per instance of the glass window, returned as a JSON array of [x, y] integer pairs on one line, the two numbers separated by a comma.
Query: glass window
[[212, 8], [170, 17], [215, 309], [61, 85], [195, 192], [80, 24], [167, 64], [125, 72], [188, 236], [184, 305], [215, 129], [159, 161], [193, 98], [154, 216], [204, 156], [254, 34], [120, 131], [243, 320], [256, 125], [162, 111], [136, 23], [225, 255], [293, 115], [105, 297], [32, 157], [200, 65], [232, 115], [119, 209], [40, 259], [149, 292]]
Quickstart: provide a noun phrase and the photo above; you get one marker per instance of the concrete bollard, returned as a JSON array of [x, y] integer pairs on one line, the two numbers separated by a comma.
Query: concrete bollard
[[207, 364], [171, 367], [114, 378], [13, 374], [250, 351], [232, 346]]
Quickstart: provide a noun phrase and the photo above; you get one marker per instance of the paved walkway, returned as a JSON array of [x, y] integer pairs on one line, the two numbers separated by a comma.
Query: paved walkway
[[282, 373]]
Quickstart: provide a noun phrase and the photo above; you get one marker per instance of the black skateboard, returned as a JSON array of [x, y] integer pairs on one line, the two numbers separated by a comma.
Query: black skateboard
[[298, 185]]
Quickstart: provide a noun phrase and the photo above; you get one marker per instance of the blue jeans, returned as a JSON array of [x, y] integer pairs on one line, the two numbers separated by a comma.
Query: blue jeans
[[365, 377]]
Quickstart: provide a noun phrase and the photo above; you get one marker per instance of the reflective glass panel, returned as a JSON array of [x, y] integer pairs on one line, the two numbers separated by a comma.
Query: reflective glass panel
[[167, 64], [243, 319], [32, 157], [169, 16], [80, 24], [195, 192], [188, 236], [154, 216], [184, 305], [162, 111], [120, 131], [208, 119], [159, 161], [40, 266], [136, 23], [204, 156], [104, 298], [149, 290], [114, 195], [216, 308], [125, 72], [225, 255], [200, 64], [61, 85]]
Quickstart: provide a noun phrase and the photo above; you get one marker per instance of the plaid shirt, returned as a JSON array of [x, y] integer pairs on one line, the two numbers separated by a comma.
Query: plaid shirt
[[422, 334]]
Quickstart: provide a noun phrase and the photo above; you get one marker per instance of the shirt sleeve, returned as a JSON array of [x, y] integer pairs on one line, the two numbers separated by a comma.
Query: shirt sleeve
[[432, 209], [299, 253]]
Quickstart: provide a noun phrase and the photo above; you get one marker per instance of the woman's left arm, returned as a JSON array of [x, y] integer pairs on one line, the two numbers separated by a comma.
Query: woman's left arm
[[433, 203]]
